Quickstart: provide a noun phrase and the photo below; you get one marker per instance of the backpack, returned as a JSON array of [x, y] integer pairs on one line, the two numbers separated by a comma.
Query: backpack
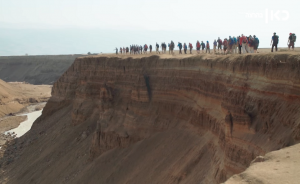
[[275, 39], [191, 46], [245, 40], [225, 42], [293, 37], [256, 40], [234, 41], [231, 41], [198, 44], [207, 45], [220, 42]]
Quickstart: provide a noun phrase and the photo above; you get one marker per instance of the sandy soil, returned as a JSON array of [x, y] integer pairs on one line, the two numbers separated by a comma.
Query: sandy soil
[[15, 96], [276, 167]]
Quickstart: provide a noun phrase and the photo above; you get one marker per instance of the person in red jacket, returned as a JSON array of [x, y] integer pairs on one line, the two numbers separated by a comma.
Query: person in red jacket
[[207, 47], [244, 44], [191, 48], [198, 47]]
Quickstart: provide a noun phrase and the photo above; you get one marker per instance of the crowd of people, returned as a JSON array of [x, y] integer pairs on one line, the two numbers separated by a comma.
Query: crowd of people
[[233, 45]]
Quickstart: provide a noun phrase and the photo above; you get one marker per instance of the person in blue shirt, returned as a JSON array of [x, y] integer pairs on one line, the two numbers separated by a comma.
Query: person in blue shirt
[[203, 46], [180, 47], [215, 46], [184, 48]]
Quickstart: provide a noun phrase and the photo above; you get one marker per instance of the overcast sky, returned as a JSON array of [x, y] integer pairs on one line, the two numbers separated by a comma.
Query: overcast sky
[[80, 26]]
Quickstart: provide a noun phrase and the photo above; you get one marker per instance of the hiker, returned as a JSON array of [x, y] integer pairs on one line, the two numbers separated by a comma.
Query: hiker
[[203, 46], [121, 50], [145, 48], [157, 48], [244, 43], [239, 45], [256, 43], [251, 44], [207, 47], [215, 46], [180, 47], [169, 48], [191, 48], [220, 43], [234, 46], [198, 47], [124, 50], [172, 46], [230, 44], [127, 50], [116, 51], [150, 47], [291, 41], [184, 48], [225, 45], [274, 42]]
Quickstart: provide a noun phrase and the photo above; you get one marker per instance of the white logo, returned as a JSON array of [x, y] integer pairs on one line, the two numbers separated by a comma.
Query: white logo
[[270, 15]]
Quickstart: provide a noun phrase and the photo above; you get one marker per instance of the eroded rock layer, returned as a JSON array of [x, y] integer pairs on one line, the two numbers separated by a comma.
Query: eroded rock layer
[[152, 120]]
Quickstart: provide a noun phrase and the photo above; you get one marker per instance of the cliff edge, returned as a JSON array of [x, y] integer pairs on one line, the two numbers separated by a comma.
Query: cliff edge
[[156, 120]]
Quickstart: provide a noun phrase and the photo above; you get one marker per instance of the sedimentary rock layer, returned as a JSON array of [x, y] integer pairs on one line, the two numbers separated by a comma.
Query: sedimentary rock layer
[[154, 120]]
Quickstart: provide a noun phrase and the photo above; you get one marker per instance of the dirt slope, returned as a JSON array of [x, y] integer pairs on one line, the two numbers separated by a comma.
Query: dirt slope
[[15, 96], [160, 120], [34, 69]]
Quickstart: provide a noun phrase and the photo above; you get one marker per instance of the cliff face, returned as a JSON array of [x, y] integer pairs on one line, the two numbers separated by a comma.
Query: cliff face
[[154, 120]]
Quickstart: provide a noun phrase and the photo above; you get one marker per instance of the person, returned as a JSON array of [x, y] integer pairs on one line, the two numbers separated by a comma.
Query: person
[[145, 48], [244, 43], [230, 44], [121, 50], [215, 46], [203, 46], [127, 50], [291, 41], [251, 44], [150, 47], [172, 46], [220, 43], [234, 46], [116, 51], [239, 45], [184, 48], [124, 50], [157, 48], [191, 48], [207, 47], [180, 47], [225, 45], [256, 43], [274, 42], [198, 46]]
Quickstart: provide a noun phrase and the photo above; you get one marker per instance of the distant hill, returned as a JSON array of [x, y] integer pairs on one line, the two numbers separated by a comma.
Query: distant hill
[[44, 69]]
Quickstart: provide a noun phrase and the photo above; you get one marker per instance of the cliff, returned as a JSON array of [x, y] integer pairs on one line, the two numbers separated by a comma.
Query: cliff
[[156, 120]]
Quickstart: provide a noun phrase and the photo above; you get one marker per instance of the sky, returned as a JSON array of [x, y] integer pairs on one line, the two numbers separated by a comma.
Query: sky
[[51, 27]]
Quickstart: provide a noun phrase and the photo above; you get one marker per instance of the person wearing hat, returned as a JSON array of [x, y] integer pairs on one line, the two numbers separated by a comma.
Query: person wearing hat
[[274, 42], [291, 41]]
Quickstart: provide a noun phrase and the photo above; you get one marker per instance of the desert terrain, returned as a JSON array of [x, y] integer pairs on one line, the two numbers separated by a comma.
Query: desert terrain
[[163, 119]]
